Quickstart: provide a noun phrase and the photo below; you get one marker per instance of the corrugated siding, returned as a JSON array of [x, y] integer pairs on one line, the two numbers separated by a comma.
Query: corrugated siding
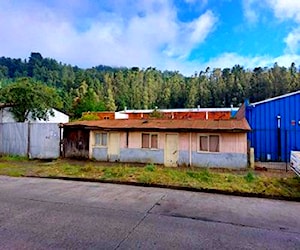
[[14, 138], [263, 121], [44, 140]]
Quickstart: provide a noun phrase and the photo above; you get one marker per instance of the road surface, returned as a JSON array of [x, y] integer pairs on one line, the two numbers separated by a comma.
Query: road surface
[[55, 214]]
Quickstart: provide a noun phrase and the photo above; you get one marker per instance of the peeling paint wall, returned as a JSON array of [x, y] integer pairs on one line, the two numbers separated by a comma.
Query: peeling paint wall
[[99, 154], [142, 155], [233, 150]]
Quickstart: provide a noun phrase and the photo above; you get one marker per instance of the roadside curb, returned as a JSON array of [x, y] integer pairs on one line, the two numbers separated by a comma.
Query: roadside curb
[[191, 189]]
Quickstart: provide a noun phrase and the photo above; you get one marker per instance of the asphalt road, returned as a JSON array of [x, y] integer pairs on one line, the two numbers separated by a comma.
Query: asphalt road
[[54, 214]]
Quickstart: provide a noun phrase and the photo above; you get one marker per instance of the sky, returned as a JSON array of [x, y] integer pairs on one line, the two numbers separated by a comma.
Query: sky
[[178, 35]]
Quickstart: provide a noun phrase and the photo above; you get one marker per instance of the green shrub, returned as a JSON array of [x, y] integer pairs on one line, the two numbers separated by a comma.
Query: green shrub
[[89, 117], [150, 168], [249, 177]]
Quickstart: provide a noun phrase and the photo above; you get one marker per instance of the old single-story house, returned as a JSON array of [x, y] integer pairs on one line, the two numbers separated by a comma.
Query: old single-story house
[[201, 143]]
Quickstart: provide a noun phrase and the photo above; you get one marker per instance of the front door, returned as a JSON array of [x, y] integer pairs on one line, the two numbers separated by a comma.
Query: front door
[[114, 147], [171, 150]]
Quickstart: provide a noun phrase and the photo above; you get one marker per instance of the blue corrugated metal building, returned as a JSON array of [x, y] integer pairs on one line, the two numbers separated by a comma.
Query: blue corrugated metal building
[[275, 125]]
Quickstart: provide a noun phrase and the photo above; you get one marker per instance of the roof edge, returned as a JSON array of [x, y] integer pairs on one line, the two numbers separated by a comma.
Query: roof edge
[[275, 98]]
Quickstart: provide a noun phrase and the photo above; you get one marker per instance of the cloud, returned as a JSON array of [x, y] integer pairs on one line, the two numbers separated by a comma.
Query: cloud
[[200, 2], [230, 59], [285, 9], [189, 35], [250, 62], [293, 41], [282, 9], [126, 33], [288, 10], [130, 33], [249, 12]]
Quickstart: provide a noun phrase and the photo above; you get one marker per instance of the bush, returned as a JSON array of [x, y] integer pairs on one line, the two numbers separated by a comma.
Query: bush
[[249, 177], [150, 168]]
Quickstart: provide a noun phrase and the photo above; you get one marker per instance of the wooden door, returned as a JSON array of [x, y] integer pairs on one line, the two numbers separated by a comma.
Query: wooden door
[[114, 147], [171, 150], [76, 143]]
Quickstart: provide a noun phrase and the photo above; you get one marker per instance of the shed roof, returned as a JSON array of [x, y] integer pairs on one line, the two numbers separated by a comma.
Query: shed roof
[[232, 125], [276, 98]]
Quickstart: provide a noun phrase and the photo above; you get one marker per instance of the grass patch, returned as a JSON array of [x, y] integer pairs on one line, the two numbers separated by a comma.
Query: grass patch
[[13, 158], [201, 176], [198, 178]]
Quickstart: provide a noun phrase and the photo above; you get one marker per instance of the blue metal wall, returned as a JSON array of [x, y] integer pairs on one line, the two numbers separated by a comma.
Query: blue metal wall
[[269, 142]]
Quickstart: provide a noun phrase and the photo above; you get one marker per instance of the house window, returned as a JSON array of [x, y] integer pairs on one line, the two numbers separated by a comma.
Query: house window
[[101, 139], [149, 140], [209, 143]]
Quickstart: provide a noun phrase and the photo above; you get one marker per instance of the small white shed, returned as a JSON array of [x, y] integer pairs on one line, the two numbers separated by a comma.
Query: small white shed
[[59, 117]]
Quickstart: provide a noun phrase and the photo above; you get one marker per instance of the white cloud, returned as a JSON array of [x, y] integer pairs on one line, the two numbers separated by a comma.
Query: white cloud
[[201, 2], [249, 12], [129, 34], [293, 41], [282, 9], [229, 59], [135, 33], [285, 9], [189, 35], [201, 27]]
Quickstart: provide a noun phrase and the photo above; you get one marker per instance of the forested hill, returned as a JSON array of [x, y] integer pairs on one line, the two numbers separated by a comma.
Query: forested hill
[[108, 88]]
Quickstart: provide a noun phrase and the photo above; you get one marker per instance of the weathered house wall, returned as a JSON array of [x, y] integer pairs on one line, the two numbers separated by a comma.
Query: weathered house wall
[[232, 149]]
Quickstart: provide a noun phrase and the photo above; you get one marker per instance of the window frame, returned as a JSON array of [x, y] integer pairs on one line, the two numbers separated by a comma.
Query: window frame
[[208, 142], [101, 145], [150, 134]]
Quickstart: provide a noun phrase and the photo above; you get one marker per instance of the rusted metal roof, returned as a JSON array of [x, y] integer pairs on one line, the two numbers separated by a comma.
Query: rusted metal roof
[[232, 125]]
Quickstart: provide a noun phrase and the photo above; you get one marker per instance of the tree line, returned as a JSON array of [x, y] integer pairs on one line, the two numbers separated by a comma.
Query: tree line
[[108, 88]]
